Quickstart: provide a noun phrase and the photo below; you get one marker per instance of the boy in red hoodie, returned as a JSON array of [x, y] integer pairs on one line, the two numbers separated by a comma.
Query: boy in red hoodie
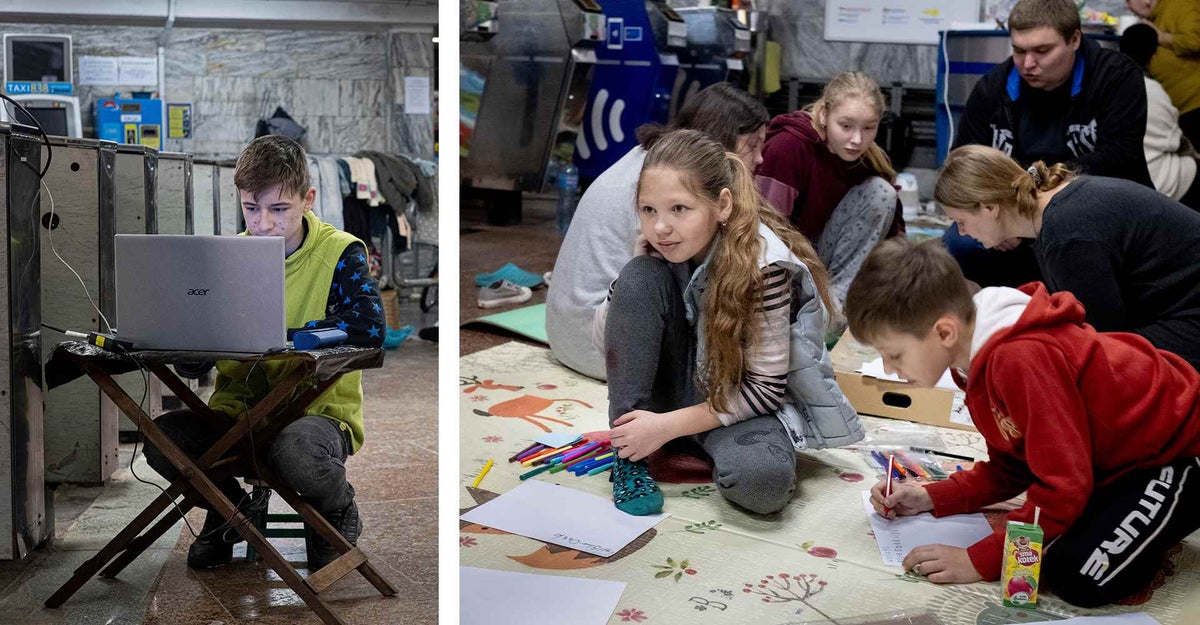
[[1101, 430]]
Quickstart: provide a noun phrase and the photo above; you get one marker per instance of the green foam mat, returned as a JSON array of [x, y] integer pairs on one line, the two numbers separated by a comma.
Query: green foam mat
[[529, 322]]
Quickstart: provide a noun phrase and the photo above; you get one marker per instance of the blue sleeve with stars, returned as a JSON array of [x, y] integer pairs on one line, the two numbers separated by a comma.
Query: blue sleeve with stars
[[354, 305]]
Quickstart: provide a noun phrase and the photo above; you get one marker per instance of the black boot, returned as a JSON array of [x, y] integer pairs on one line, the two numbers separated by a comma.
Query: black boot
[[320, 552], [214, 547]]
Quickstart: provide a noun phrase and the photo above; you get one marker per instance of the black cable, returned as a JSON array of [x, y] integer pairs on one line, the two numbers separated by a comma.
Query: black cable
[[45, 137]]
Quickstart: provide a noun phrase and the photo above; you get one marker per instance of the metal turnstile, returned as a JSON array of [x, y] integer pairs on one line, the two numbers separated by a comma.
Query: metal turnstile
[[26, 508], [135, 189], [81, 442], [522, 95], [175, 216], [718, 50], [175, 193], [206, 197], [228, 202]]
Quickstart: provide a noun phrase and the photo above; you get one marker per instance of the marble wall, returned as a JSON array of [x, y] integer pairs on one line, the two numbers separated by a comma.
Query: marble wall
[[346, 88]]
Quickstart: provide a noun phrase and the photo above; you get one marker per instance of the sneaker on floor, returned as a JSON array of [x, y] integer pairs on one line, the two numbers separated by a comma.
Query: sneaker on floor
[[503, 292], [546, 277], [347, 522]]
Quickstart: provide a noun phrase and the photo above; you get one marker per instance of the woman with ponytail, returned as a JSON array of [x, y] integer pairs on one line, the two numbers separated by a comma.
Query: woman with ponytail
[[1129, 254], [822, 169], [716, 331]]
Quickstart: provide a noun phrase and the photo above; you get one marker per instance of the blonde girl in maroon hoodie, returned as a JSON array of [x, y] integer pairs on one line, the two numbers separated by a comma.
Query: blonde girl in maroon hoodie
[[822, 169]]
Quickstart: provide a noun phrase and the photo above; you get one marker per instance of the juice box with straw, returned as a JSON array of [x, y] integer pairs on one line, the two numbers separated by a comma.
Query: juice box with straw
[[1022, 563]]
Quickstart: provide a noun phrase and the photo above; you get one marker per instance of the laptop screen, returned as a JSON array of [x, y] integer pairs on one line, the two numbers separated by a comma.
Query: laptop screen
[[201, 293]]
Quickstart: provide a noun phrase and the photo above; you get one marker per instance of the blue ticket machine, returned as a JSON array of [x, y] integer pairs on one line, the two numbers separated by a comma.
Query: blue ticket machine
[[135, 120], [632, 81]]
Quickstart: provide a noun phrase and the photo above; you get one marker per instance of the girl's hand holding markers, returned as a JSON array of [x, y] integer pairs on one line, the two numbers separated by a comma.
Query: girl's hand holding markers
[[905, 500], [639, 433]]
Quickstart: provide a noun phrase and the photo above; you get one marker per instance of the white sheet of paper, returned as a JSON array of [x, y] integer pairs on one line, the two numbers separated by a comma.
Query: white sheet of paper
[[1133, 618], [488, 597], [138, 70], [554, 440], [98, 70], [563, 516], [897, 537], [874, 369], [416, 95]]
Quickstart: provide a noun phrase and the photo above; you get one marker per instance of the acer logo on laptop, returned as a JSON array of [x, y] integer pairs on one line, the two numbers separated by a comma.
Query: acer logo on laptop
[[198, 291]]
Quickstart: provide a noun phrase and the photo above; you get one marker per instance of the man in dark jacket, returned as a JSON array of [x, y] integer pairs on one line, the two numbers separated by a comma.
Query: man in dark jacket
[[1059, 98]]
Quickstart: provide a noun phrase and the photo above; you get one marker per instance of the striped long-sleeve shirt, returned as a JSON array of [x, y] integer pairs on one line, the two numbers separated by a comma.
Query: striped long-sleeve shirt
[[764, 381]]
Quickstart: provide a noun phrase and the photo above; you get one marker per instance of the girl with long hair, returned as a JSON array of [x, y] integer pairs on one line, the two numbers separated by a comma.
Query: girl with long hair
[[1129, 254], [822, 169], [716, 330], [603, 232]]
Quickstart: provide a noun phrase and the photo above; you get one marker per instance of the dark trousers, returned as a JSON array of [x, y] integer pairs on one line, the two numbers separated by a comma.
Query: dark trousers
[[649, 355], [990, 267], [309, 456], [1191, 199], [1117, 545]]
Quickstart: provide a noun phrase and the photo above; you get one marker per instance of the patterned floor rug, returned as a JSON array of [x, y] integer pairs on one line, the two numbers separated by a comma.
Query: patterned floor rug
[[709, 562]]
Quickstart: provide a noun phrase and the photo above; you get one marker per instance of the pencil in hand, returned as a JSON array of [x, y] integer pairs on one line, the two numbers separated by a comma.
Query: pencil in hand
[[888, 486]]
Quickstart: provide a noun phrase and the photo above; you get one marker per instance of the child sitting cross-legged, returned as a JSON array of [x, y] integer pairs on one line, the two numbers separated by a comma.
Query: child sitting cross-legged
[[714, 334], [1101, 430]]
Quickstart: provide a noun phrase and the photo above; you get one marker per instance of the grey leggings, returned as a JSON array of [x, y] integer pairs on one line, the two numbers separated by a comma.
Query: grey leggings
[[309, 456], [649, 354], [858, 223]]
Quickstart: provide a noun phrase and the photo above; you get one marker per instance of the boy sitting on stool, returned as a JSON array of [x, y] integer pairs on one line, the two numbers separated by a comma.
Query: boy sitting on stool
[[1101, 429], [327, 286]]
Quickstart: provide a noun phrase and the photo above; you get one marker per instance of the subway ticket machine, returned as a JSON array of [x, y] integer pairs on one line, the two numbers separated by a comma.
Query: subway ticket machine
[[718, 50], [521, 91], [636, 68]]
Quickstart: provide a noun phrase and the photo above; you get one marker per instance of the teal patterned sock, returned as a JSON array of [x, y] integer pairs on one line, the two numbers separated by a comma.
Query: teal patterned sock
[[634, 491]]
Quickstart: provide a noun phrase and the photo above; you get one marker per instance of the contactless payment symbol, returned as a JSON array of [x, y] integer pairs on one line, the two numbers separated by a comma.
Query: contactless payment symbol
[[616, 30]]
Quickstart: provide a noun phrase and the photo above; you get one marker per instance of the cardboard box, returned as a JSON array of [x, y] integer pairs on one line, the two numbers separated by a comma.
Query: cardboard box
[[895, 400]]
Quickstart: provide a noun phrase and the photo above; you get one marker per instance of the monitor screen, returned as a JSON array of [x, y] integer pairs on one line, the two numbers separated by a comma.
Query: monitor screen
[[53, 119], [38, 61]]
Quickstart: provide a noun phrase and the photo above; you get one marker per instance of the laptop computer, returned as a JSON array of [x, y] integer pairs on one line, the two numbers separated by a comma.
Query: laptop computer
[[200, 293]]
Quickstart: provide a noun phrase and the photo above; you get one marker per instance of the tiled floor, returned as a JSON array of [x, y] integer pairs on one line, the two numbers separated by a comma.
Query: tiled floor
[[395, 481]]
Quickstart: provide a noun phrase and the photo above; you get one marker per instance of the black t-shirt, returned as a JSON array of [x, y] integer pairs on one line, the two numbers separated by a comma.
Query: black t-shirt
[[1132, 257], [1041, 126]]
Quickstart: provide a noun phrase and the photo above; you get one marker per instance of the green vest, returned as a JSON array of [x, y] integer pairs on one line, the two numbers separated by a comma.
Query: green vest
[[308, 275]]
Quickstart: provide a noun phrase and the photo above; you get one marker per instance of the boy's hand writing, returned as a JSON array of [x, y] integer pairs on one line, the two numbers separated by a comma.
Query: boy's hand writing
[[942, 564], [639, 433], [906, 499]]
